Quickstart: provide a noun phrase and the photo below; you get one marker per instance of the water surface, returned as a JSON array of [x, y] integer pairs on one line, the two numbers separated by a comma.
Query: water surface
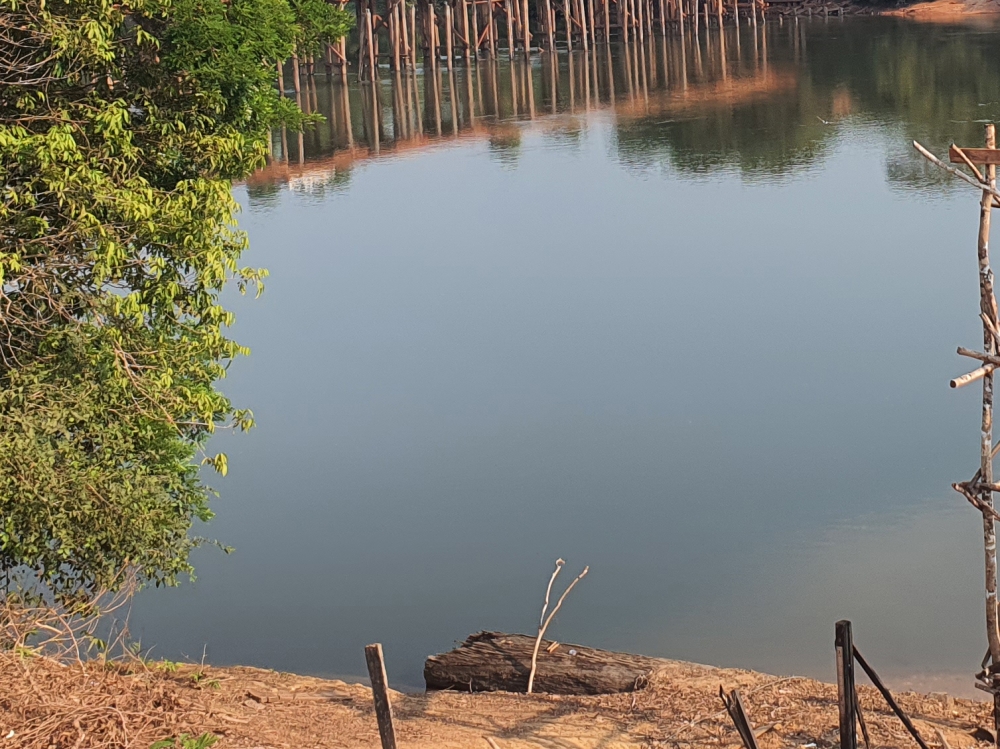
[[684, 312]]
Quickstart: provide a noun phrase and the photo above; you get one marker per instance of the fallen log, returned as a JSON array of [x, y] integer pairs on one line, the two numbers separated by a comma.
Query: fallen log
[[498, 662]]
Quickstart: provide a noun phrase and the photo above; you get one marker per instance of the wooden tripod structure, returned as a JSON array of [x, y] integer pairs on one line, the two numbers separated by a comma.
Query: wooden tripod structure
[[980, 488]]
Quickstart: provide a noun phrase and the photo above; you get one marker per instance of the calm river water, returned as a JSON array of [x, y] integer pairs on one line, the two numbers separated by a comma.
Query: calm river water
[[682, 313]]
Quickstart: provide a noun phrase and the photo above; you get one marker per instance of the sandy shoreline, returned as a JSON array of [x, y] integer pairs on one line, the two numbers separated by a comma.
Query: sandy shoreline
[[950, 11], [258, 709]]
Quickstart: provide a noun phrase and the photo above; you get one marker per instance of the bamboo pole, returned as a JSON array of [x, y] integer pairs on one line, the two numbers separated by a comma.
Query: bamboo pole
[[491, 32], [448, 31], [526, 28], [394, 34], [475, 30], [413, 38], [508, 9], [988, 308], [404, 36], [467, 52], [431, 26], [372, 56], [568, 17]]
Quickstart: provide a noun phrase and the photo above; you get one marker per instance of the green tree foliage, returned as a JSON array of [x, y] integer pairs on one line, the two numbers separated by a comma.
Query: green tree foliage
[[121, 126]]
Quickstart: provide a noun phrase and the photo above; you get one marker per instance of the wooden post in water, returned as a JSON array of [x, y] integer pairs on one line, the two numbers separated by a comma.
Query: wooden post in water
[[449, 28], [568, 17], [372, 41], [526, 28], [550, 41], [508, 9], [474, 39], [432, 50], [846, 692], [467, 49], [394, 34], [413, 38], [380, 695], [491, 30]]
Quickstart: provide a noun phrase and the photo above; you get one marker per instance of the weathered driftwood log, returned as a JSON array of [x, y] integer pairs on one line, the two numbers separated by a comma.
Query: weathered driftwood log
[[497, 662]]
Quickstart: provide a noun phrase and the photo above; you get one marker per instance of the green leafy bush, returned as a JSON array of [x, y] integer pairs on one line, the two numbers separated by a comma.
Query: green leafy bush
[[121, 126]]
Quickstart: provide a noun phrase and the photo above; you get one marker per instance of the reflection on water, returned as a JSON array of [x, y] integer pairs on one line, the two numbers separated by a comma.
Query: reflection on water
[[682, 311], [764, 99]]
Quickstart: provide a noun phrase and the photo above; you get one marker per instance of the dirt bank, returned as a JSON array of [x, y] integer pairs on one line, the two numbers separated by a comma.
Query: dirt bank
[[43, 704], [950, 11]]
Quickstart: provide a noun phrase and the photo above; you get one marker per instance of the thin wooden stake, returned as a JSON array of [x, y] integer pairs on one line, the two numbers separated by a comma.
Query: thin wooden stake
[[380, 694], [738, 714], [844, 644]]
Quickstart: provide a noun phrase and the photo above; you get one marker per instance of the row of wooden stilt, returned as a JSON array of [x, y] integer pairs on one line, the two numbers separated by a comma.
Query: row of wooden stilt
[[401, 33], [638, 78]]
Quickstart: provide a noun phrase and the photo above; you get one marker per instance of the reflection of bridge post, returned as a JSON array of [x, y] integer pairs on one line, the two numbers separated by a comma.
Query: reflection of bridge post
[[529, 83], [398, 111], [684, 64], [572, 75], [666, 62], [434, 100], [550, 68], [301, 136], [763, 43], [454, 103], [640, 61], [611, 74], [593, 72], [469, 97], [492, 75], [370, 117], [628, 72], [417, 108], [722, 52], [515, 108], [651, 63]]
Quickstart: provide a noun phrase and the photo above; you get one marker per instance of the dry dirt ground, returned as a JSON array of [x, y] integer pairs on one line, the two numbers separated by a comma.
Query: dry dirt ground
[[44, 704], [951, 11]]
